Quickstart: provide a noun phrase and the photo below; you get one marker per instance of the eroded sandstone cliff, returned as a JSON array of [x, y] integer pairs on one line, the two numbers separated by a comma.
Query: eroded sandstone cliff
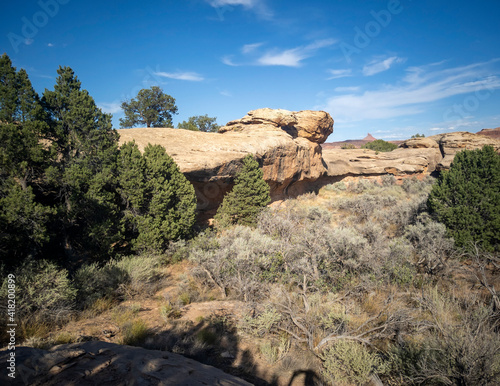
[[286, 144]]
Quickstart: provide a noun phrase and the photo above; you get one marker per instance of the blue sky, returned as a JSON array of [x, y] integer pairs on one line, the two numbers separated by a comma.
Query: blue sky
[[392, 68]]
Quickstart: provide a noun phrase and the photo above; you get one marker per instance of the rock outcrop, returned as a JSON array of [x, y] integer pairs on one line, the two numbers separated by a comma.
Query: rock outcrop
[[492, 133], [365, 162], [451, 143], [315, 126], [413, 157], [286, 144], [95, 363]]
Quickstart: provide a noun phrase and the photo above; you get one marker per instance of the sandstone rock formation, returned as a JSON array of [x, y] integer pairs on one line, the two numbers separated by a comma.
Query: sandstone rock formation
[[315, 126], [492, 133], [365, 162], [95, 363], [287, 146], [451, 143], [285, 143]]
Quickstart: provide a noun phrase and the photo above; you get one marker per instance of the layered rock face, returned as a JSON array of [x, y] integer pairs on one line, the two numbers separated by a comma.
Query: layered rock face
[[414, 156], [286, 144], [451, 143]]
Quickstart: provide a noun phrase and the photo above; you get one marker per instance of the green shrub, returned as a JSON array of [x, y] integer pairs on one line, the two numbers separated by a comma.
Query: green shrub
[[130, 276], [350, 362], [467, 198], [134, 332], [207, 336], [380, 145], [94, 282], [262, 323], [43, 292]]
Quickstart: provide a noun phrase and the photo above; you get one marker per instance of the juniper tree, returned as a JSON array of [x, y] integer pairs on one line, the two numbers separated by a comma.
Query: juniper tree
[[23, 157], [248, 197], [200, 123], [160, 203], [82, 173], [151, 108], [467, 198]]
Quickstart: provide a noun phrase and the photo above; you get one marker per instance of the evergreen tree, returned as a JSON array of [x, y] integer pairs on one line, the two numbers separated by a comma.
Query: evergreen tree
[[83, 168], [200, 123], [151, 108], [160, 202], [248, 197], [8, 90], [467, 198], [23, 157]]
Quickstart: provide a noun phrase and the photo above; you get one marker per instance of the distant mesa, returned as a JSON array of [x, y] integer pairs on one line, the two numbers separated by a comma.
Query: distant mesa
[[369, 138], [357, 143], [492, 133]]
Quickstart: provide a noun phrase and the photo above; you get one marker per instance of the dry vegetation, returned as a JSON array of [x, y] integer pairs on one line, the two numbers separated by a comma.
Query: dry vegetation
[[353, 285]]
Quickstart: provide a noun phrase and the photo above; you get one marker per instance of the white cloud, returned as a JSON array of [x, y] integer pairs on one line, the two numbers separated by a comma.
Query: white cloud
[[288, 58], [247, 48], [335, 74], [50, 45], [346, 89], [376, 66], [258, 6], [189, 76], [222, 3], [410, 95], [228, 60], [28, 41], [110, 108], [294, 56]]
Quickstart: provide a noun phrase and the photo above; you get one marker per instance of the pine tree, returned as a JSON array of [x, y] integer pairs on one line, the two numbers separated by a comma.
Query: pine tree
[[467, 198], [248, 197], [83, 171], [160, 203]]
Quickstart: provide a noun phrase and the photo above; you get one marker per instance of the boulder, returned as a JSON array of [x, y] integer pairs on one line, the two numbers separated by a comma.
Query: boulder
[[314, 126], [419, 143], [94, 363]]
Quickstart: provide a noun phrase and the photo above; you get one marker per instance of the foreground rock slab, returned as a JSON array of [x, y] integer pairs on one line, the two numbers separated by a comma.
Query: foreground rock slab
[[101, 363]]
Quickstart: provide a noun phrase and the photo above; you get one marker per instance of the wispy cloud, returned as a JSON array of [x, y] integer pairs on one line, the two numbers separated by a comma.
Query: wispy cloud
[[50, 45], [380, 65], [335, 74], [247, 48], [228, 61], [409, 96], [287, 58], [189, 76], [254, 55], [110, 108], [293, 57], [257, 6], [347, 89]]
